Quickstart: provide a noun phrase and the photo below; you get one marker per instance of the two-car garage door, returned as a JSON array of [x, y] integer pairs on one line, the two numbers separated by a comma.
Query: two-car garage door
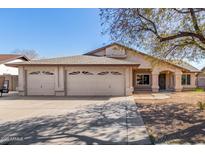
[[79, 81], [95, 82]]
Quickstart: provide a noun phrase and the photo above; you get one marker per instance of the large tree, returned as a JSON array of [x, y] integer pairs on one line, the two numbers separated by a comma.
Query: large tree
[[167, 33], [30, 53]]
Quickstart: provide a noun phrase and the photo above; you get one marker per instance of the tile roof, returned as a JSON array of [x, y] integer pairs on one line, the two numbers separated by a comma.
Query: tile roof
[[185, 65], [76, 60], [88, 59]]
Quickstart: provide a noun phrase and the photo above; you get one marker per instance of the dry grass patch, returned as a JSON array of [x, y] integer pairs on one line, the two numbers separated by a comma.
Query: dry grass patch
[[175, 120]]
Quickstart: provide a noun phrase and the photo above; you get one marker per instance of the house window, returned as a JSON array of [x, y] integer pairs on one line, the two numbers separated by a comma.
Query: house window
[[186, 79], [143, 79]]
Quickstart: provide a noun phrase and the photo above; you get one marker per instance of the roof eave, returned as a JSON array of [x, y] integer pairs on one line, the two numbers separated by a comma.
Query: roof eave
[[18, 65], [17, 57]]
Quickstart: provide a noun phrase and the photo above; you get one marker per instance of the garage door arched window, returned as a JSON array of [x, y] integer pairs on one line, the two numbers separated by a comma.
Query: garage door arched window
[[35, 73], [47, 73], [87, 73], [103, 73], [74, 73], [116, 73]]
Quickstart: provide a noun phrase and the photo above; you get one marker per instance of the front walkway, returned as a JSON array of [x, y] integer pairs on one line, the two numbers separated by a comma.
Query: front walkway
[[153, 96], [66, 120]]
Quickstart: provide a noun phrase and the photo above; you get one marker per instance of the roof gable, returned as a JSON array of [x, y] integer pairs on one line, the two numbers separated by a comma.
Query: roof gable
[[181, 65], [9, 57]]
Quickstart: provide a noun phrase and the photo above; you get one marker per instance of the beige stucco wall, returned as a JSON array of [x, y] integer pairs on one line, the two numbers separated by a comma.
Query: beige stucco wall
[[59, 81], [130, 56]]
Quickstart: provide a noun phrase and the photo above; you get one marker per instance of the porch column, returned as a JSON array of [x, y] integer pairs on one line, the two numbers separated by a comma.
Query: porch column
[[128, 82], [177, 79], [193, 80], [155, 82]]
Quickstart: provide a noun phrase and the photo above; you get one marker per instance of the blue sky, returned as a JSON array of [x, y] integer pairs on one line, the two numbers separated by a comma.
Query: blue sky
[[52, 32]]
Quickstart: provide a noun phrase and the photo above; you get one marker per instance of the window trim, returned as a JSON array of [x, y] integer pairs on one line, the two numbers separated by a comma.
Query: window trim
[[137, 84], [186, 80]]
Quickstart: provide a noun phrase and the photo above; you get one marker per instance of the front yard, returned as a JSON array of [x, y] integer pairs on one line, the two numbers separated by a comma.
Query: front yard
[[174, 120]]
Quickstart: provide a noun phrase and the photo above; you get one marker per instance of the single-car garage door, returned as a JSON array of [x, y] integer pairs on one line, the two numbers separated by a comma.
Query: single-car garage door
[[40, 82], [95, 82]]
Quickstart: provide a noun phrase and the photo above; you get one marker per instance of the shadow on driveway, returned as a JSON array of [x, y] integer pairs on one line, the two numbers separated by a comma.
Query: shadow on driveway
[[94, 124]]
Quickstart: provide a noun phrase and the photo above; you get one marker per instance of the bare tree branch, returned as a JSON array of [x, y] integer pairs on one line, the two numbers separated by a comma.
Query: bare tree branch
[[183, 34], [194, 20], [187, 11], [180, 34], [173, 33], [151, 22]]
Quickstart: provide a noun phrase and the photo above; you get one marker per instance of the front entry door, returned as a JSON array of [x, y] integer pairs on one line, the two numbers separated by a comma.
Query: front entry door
[[162, 81]]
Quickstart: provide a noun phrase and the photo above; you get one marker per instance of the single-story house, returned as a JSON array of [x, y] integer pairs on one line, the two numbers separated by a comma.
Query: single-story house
[[10, 73], [113, 70], [201, 78]]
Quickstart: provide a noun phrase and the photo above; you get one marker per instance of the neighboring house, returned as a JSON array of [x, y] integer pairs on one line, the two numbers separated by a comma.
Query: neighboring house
[[114, 70], [201, 78], [10, 73]]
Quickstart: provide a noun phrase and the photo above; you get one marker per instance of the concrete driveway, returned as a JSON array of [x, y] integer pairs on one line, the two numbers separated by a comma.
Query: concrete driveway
[[70, 120]]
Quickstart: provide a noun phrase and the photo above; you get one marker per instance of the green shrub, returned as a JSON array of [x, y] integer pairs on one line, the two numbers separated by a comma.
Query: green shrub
[[201, 105], [199, 90]]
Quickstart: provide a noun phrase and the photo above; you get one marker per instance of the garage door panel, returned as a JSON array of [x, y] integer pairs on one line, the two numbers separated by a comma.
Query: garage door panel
[[40, 82], [96, 82]]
